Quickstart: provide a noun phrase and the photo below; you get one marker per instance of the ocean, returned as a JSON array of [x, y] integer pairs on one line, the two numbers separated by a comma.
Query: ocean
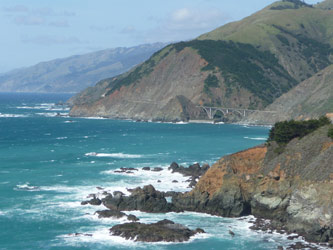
[[50, 162]]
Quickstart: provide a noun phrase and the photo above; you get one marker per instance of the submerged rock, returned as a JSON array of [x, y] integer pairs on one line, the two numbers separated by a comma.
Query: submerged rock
[[80, 234], [164, 230], [126, 170], [157, 169]]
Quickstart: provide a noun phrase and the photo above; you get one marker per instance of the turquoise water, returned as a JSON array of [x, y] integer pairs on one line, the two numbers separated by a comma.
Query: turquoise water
[[49, 164]]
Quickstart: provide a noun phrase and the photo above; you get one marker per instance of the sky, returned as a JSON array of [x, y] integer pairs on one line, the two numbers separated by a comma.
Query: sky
[[41, 30]]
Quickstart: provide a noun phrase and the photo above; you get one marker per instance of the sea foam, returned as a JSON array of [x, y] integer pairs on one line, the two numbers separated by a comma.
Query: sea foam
[[12, 115], [256, 138], [114, 155]]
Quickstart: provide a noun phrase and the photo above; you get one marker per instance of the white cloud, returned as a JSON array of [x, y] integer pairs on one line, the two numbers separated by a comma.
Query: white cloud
[[185, 24], [194, 19], [181, 15]]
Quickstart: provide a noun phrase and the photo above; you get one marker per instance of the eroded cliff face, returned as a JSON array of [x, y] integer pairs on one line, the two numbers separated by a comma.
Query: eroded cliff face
[[145, 98], [294, 189]]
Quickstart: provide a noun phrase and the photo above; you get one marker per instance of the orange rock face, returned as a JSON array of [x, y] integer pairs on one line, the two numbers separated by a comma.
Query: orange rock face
[[245, 163], [293, 187]]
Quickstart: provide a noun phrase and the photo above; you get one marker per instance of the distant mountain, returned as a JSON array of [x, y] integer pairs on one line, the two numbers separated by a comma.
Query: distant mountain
[[76, 73], [244, 64]]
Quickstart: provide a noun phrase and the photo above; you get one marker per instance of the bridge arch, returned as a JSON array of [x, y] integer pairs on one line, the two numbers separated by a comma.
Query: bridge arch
[[212, 111], [220, 113]]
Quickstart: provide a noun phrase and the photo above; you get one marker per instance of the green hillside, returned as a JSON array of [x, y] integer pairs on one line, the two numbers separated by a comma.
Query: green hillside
[[325, 5], [244, 64]]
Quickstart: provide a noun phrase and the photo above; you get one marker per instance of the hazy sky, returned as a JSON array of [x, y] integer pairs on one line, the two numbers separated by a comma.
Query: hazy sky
[[41, 30]]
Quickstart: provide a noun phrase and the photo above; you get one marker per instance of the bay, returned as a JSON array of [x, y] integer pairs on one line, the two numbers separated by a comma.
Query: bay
[[50, 162]]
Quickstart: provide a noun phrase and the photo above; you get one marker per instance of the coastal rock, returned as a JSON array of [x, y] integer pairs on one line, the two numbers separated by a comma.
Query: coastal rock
[[164, 230], [145, 199], [126, 170], [115, 215], [194, 171], [118, 194], [132, 217], [110, 214], [80, 234], [157, 169], [292, 189], [94, 201], [146, 168]]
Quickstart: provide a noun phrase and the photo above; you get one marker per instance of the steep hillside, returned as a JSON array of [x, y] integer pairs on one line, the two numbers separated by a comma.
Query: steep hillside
[[311, 98], [246, 64], [298, 35], [75, 73], [293, 188], [326, 5]]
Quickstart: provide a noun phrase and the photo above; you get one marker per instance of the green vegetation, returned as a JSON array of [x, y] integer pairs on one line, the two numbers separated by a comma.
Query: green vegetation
[[325, 5], [211, 82], [139, 72], [284, 132], [330, 132], [316, 53], [245, 66], [283, 39], [295, 4]]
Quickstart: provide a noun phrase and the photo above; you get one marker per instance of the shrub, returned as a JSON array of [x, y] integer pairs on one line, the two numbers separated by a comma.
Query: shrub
[[284, 132], [211, 82], [245, 66], [330, 132]]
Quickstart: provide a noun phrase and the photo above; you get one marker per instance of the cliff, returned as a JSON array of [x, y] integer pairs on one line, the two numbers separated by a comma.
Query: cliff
[[293, 188], [245, 64]]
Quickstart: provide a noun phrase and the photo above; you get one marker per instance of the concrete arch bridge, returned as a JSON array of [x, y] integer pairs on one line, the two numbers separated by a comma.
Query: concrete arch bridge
[[211, 111]]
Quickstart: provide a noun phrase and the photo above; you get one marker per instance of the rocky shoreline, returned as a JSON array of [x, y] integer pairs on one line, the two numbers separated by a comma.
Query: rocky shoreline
[[289, 190], [147, 199]]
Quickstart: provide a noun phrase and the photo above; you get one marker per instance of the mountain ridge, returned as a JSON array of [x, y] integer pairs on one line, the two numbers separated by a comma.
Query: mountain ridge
[[219, 71], [74, 73]]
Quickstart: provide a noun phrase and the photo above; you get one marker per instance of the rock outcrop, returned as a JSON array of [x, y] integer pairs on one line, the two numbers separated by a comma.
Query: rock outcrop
[[294, 189], [145, 199], [115, 215], [94, 201], [164, 230], [194, 171]]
